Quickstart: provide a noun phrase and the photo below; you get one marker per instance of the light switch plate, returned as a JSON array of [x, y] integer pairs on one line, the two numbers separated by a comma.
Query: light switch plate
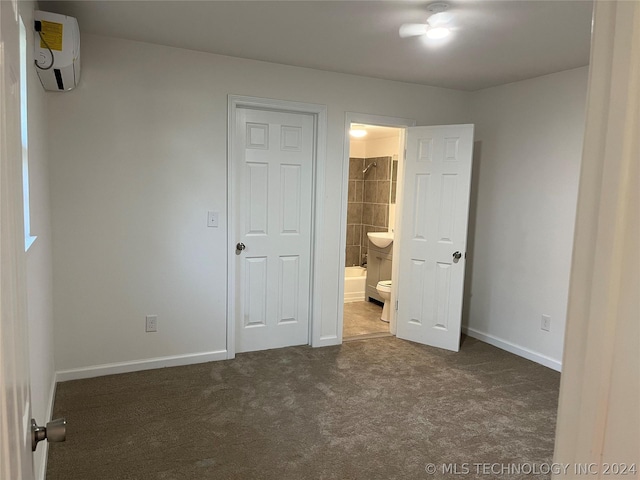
[[212, 219]]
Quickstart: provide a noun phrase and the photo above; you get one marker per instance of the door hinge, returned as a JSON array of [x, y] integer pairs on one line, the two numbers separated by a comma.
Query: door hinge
[[396, 305]]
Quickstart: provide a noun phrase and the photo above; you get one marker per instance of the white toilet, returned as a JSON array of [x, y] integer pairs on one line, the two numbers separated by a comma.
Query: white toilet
[[384, 290]]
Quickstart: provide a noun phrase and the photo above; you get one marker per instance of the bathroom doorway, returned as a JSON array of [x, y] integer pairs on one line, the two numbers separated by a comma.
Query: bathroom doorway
[[373, 178], [434, 164]]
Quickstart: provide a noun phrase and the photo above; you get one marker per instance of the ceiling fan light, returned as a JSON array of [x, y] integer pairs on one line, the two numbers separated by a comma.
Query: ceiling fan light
[[438, 33], [438, 19], [357, 132], [412, 30]]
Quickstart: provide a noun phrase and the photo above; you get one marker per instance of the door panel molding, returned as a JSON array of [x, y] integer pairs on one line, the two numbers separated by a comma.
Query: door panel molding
[[319, 114], [437, 175]]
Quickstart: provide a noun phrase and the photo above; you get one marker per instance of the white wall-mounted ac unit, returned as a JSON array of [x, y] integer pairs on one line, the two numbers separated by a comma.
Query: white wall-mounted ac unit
[[57, 51]]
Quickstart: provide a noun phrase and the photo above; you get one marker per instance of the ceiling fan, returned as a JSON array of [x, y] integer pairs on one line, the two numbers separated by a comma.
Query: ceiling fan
[[436, 26]]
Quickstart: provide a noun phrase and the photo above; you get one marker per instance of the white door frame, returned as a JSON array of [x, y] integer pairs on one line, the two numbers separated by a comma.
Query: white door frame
[[366, 119], [600, 362], [319, 113]]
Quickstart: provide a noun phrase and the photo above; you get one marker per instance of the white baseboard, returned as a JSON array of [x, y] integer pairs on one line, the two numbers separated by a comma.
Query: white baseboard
[[138, 365], [328, 341], [513, 348]]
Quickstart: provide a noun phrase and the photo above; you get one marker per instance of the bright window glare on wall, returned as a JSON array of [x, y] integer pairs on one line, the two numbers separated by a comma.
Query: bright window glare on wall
[[28, 239]]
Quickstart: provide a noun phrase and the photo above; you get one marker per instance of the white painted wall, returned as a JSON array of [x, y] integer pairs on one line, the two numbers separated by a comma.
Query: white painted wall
[[527, 163], [357, 148], [138, 155], [383, 147], [374, 147], [39, 261]]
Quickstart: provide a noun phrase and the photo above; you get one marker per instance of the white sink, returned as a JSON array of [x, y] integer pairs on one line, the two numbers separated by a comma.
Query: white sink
[[381, 239]]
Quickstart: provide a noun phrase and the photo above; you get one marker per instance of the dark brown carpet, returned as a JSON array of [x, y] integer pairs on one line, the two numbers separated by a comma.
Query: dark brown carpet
[[373, 409]]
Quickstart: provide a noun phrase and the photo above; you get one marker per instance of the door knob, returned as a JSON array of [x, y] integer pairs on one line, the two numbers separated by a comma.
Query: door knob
[[240, 247], [55, 431], [457, 256]]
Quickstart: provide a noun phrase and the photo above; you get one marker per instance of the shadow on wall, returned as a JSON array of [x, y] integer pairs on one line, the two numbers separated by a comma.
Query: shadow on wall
[[471, 231]]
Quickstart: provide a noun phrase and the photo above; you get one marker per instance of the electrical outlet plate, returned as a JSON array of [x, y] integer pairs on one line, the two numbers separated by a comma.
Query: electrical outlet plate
[[546, 323], [151, 324]]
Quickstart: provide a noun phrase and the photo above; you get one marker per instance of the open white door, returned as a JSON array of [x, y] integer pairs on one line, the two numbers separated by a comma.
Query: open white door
[[437, 181], [15, 414]]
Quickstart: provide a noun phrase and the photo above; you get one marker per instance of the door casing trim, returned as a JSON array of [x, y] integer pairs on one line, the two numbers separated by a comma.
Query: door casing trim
[[319, 113]]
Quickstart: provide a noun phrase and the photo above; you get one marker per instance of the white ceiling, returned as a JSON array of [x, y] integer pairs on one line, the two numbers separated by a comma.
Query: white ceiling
[[494, 42]]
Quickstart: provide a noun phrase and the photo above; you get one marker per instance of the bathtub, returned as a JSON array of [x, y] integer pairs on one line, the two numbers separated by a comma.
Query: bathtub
[[355, 280]]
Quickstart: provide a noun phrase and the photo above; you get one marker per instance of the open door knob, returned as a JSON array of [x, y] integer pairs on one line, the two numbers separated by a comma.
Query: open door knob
[[55, 431], [457, 255]]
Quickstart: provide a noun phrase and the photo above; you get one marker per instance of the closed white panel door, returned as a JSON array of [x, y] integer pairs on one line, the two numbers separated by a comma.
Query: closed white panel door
[[15, 415], [434, 234], [274, 173]]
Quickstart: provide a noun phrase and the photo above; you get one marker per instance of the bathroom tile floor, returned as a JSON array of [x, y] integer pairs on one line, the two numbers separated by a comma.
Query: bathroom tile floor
[[363, 318]]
